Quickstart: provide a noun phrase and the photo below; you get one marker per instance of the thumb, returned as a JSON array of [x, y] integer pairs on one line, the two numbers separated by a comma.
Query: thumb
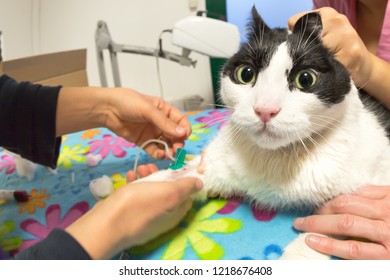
[[166, 125], [188, 186]]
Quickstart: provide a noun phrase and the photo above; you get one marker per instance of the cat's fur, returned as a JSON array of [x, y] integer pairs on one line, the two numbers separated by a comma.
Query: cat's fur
[[318, 142]]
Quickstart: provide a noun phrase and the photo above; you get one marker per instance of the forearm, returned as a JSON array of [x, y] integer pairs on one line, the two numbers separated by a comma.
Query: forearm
[[81, 108], [378, 83], [97, 232]]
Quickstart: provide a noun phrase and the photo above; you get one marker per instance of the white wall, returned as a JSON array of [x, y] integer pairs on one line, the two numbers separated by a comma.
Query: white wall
[[16, 24], [42, 26]]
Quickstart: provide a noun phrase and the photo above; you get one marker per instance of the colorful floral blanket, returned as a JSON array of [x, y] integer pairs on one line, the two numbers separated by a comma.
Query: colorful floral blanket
[[217, 229]]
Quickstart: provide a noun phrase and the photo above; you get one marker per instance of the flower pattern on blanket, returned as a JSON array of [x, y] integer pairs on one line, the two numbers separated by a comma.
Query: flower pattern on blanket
[[69, 155], [90, 134], [8, 243], [7, 164], [37, 200], [53, 220], [259, 213], [215, 117], [110, 144], [189, 234], [196, 130]]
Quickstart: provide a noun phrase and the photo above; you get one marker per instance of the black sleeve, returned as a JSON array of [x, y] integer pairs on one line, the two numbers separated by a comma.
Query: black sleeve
[[28, 120], [58, 245]]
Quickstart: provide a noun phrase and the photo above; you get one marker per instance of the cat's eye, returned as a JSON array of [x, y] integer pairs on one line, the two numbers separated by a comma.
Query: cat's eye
[[305, 79], [246, 75]]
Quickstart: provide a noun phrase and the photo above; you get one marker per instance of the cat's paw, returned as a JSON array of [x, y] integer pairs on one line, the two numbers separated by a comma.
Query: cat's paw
[[298, 250]]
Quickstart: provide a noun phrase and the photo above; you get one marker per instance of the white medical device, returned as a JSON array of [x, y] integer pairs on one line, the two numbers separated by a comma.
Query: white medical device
[[211, 37]]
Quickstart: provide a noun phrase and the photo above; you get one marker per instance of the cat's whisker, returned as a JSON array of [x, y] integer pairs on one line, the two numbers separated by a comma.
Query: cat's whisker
[[210, 104], [216, 121], [327, 126], [328, 120], [235, 132], [311, 139], [301, 33], [282, 149], [311, 33], [303, 145], [326, 123], [248, 50], [306, 50], [255, 35]]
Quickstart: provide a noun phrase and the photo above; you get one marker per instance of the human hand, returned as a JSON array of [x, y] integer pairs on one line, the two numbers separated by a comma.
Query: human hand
[[139, 118], [142, 171], [133, 215], [362, 215], [340, 37]]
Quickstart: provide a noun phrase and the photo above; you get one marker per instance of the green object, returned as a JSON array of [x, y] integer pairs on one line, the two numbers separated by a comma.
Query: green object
[[179, 159], [216, 9]]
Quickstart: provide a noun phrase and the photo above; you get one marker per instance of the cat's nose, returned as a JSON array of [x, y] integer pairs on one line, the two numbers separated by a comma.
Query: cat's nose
[[266, 113]]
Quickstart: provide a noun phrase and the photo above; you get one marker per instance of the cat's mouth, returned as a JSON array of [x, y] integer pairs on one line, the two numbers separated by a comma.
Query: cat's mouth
[[267, 131]]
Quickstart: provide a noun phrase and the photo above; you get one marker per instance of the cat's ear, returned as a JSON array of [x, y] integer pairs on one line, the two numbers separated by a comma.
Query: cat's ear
[[257, 26], [309, 26]]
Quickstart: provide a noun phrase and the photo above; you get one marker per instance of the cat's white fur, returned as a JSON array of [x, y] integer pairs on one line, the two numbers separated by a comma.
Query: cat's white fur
[[308, 153]]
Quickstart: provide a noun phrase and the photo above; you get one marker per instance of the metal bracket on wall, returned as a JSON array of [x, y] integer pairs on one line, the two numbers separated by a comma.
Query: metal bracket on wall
[[104, 42]]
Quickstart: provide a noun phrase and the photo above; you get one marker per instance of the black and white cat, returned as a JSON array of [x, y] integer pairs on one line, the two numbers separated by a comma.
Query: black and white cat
[[299, 133]]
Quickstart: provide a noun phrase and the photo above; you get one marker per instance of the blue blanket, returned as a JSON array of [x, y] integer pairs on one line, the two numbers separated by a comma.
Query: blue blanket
[[217, 229]]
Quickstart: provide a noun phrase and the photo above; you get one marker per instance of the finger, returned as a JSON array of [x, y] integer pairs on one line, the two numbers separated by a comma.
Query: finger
[[152, 168], [181, 210], [346, 249], [354, 205], [342, 225], [188, 186], [154, 151], [373, 191], [143, 171], [178, 145], [167, 126], [178, 117], [131, 176]]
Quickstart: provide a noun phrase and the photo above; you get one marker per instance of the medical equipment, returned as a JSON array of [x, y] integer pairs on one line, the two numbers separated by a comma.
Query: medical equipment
[[211, 37]]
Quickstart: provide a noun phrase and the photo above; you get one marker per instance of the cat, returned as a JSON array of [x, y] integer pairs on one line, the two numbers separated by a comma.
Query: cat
[[299, 134]]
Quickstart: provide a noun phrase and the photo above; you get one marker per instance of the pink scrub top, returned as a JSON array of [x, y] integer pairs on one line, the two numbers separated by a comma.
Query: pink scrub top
[[348, 8]]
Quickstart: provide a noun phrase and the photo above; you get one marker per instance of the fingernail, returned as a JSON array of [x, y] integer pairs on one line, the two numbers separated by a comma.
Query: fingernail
[[180, 129], [312, 239], [199, 185]]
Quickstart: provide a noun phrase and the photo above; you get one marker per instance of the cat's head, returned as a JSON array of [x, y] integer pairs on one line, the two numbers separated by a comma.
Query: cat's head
[[284, 86]]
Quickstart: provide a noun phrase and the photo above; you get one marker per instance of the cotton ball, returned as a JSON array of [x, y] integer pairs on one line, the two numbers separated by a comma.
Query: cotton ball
[[101, 187], [93, 160]]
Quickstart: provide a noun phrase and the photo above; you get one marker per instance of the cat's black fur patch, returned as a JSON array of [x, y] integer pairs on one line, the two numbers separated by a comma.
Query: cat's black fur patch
[[378, 109], [258, 51], [306, 50]]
